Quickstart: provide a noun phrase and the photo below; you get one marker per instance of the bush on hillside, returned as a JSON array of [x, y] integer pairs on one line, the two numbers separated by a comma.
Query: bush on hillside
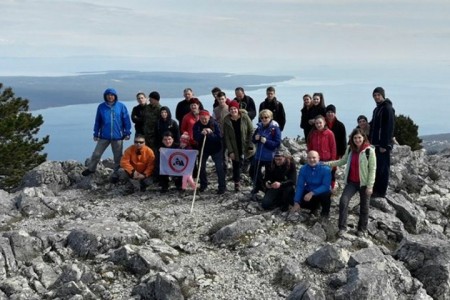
[[407, 132], [19, 148]]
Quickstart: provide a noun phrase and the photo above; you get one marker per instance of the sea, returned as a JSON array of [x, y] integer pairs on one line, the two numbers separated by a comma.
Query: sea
[[423, 96]]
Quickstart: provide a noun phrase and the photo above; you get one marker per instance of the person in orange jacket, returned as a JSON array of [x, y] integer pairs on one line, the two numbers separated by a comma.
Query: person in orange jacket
[[138, 162]]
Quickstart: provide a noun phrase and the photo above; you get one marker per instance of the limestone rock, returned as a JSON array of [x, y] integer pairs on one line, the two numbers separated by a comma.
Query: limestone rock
[[329, 259], [138, 259], [411, 215], [160, 287], [50, 173], [305, 290], [234, 231]]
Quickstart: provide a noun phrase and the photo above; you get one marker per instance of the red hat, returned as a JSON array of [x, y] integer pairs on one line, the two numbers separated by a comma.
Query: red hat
[[194, 100], [204, 113], [233, 104], [185, 137]]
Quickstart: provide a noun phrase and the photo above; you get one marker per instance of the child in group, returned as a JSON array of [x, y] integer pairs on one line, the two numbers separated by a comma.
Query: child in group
[[187, 180], [168, 142]]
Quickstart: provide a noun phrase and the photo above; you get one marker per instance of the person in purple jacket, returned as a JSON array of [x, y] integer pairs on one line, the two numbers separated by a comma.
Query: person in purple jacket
[[313, 186]]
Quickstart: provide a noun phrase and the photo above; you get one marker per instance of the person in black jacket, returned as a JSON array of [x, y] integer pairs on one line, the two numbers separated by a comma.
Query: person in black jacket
[[381, 134], [276, 107], [184, 106], [305, 113], [279, 181], [245, 102], [137, 114]]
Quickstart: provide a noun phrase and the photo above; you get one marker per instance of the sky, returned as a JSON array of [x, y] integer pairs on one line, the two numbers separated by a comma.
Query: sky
[[42, 37]]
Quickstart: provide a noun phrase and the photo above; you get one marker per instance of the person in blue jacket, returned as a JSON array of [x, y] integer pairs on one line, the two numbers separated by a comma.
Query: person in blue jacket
[[313, 186], [267, 138], [112, 126]]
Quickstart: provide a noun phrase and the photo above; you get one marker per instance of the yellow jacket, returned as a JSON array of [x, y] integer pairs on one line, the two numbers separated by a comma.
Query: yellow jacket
[[143, 163]]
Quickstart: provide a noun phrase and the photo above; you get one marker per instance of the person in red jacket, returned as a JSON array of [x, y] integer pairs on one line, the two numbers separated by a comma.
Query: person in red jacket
[[321, 139], [138, 162]]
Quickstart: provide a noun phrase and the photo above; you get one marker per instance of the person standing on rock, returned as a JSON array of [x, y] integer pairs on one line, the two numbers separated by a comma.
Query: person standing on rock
[[360, 161], [279, 180], [245, 102], [313, 186], [267, 138], [275, 106], [112, 126], [206, 130], [187, 124], [184, 106], [381, 134], [137, 114], [151, 116], [138, 162]]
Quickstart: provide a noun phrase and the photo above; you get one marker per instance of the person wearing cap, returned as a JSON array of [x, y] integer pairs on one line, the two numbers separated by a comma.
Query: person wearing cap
[[109, 130], [245, 102], [206, 130], [137, 114], [275, 106], [313, 186], [187, 124], [151, 115], [238, 131], [138, 162], [184, 106], [279, 181], [381, 136]]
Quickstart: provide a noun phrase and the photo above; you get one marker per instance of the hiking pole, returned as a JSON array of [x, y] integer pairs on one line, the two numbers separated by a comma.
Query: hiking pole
[[198, 173]]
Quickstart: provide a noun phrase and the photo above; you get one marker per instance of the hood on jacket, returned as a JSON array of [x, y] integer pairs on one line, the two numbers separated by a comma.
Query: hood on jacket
[[110, 91], [169, 114]]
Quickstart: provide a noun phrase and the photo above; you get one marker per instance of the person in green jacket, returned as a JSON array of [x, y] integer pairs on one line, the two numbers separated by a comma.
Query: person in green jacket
[[151, 117], [360, 161], [237, 134]]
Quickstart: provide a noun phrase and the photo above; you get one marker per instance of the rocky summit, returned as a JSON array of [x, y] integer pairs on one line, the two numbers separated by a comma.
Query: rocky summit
[[65, 236]]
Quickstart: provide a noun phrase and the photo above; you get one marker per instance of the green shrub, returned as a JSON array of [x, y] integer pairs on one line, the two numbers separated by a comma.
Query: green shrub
[[406, 132]]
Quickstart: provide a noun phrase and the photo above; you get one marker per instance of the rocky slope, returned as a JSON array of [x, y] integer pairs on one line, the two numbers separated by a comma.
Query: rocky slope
[[63, 236]]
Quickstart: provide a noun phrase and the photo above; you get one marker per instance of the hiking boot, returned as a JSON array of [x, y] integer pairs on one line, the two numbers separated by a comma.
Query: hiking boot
[[87, 172], [142, 186], [221, 191], [237, 186], [362, 233]]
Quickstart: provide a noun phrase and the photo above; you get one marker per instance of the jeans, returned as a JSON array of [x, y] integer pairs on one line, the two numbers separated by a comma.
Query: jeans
[[164, 181], [316, 201], [382, 173], [281, 197], [236, 170], [116, 146], [218, 162], [351, 189]]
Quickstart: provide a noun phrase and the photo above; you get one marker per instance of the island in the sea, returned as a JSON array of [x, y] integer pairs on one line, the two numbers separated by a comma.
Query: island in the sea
[[44, 92]]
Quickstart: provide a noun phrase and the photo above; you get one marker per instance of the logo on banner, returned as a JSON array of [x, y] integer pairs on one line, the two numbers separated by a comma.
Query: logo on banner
[[178, 162]]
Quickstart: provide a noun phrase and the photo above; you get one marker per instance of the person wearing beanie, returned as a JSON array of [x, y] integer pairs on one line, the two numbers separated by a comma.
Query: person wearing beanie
[[381, 136], [279, 180], [245, 102], [184, 106], [340, 136], [151, 116], [363, 124], [238, 131], [109, 131], [207, 134]]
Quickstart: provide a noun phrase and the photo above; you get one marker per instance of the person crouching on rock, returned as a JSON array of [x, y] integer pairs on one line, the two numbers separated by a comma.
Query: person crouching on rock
[[138, 162], [168, 141], [279, 180], [313, 186]]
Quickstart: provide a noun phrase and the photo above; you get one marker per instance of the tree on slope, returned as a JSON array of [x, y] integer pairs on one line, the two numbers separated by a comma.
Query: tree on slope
[[19, 148], [407, 132]]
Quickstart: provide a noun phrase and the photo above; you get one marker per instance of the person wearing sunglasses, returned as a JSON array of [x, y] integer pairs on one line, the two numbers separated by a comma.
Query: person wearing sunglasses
[[138, 162]]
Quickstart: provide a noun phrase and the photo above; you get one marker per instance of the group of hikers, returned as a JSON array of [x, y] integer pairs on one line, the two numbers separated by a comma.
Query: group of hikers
[[227, 134]]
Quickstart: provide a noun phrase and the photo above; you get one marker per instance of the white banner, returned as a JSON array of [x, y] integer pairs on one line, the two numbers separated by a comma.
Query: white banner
[[176, 162]]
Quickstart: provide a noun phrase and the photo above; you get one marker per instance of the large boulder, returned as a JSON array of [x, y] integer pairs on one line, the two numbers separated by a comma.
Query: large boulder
[[38, 202], [50, 173], [328, 259], [428, 259], [89, 238], [232, 232], [410, 214]]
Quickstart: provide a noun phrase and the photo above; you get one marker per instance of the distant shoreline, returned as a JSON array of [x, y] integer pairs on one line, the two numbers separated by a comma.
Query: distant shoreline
[[87, 87]]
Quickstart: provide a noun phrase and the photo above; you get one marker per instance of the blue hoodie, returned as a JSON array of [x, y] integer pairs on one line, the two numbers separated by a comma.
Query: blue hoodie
[[112, 122], [272, 133]]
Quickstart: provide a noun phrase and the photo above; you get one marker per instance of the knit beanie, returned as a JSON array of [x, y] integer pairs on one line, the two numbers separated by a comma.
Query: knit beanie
[[361, 117], [331, 107], [233, 104], [380, 91], [204, 113], [154, 95], [194, 101]]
